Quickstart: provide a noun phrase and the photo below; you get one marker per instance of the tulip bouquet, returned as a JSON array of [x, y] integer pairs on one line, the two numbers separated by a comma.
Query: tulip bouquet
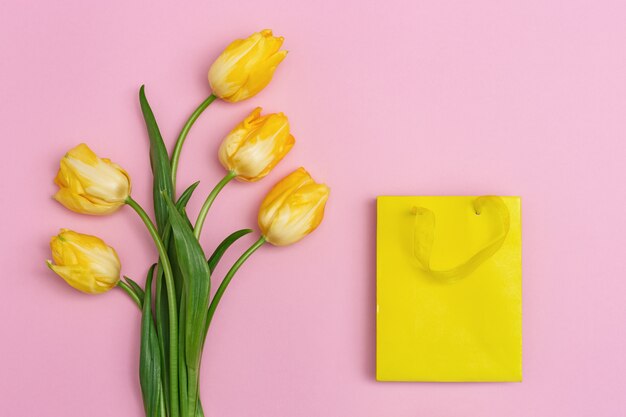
[[175, 301]]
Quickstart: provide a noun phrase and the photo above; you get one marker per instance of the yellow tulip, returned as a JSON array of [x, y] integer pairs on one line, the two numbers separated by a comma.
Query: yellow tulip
[[90, 185], [293, 208], [246, 66], [256, 145], [85, 262]]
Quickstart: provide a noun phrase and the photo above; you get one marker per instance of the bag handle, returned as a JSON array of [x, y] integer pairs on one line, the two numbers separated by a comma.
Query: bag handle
[[424, 236]]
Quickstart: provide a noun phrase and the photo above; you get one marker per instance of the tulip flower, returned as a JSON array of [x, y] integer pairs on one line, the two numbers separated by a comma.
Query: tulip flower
[[256, 145], [249, 152], [85, 262], [292, 209], [91, 185], [242, 70], [246, 66]]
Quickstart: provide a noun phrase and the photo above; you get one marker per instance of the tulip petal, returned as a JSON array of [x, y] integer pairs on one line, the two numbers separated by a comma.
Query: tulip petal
[[228, 71], [79, 278], [263, 149], [279, 194], [80, 204], [231, 144], [256, 145], [246, 66], [259, 77], [90, 185], [85, 262], [301, 213]]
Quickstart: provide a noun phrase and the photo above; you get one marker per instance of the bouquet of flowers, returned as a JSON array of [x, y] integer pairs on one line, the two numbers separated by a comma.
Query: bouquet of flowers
[[175, 301]]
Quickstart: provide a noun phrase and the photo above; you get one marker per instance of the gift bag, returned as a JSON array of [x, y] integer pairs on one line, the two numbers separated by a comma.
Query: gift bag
[[449, 289]]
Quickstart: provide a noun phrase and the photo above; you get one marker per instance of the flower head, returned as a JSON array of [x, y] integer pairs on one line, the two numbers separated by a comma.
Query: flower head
[[246, 66], [256, 145], [293, 208], [90, 185], [85, 262]]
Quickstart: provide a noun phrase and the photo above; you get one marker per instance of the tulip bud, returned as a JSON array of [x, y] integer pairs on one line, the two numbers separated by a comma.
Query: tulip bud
[[293, 208], [246, 66], [90, 185], [85, 262], [256, 145]]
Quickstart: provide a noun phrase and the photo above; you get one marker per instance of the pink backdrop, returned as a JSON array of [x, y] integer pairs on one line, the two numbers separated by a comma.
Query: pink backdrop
[[393, 97]]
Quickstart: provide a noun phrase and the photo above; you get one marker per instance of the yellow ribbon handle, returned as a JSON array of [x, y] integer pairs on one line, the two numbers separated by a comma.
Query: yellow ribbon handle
[[424, 237]]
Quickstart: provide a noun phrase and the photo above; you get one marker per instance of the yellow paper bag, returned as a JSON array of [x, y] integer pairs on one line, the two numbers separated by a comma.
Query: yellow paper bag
[[449, 289]]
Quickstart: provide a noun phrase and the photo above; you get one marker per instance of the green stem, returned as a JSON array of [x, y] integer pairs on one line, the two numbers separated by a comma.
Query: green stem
[[183, 134], [130, 292], [209, 201], [171, 302], [229, 276]]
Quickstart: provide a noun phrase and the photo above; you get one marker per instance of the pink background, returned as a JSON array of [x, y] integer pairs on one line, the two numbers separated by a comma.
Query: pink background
[[390, 97]]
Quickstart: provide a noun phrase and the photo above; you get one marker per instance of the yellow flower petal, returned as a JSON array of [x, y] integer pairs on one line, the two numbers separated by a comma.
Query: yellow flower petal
[[254, 147], [246, 66], [293, 208], [85, 262], [91, 185]]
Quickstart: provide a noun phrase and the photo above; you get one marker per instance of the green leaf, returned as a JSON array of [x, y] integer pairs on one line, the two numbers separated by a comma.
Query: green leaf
[[223, 247], [150, 371], [186, 195], [161, 316], [135, 287], [196, 286], [160, 305], [159, 161], [181, 204], [196, 275], [199, 410]]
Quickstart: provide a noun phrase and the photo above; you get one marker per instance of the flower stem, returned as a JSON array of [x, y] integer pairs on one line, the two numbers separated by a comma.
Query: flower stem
[[183, 134], [130, 292], [209, 201], [229, 276], [171, 302]]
